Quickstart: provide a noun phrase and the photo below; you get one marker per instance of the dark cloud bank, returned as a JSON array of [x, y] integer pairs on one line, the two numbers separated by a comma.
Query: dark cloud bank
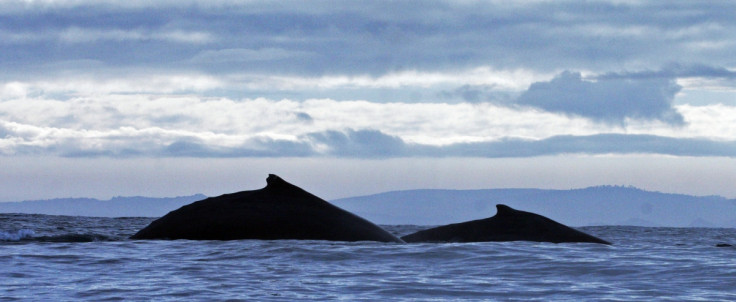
[[358, 38], [610, 100]]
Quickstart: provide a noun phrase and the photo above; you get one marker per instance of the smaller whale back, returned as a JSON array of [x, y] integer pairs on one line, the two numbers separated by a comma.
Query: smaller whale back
[[507, 225]]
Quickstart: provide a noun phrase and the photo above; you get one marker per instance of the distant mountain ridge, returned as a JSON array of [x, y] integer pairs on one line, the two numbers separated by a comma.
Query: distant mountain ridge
[[135, 206], [600, 205]]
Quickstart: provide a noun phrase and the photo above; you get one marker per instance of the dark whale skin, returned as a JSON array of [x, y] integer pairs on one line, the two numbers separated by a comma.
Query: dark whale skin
[[278, 211], [507, 225]]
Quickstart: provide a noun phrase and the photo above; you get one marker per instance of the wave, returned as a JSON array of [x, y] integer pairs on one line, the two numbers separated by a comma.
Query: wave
[[74, 238], [17, 235], [26, 235]]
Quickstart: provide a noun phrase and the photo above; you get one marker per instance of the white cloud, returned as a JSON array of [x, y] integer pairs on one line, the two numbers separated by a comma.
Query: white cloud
[[85, 35], [716, 121], [14, 6], [13, 90], [10, 37], [708, 83], [87, 85], [161, 82], [75, 34], [148, 124], [501, 79]]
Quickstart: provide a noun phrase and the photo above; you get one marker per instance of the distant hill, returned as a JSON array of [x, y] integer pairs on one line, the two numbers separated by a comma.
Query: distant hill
[[602, 205], [115, 207]]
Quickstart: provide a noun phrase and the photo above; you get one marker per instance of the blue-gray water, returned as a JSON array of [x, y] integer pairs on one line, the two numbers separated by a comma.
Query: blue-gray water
[[48, 258]]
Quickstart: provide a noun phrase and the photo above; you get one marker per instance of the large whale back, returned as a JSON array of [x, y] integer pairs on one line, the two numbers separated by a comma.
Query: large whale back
[[507, 225], [278, 211]]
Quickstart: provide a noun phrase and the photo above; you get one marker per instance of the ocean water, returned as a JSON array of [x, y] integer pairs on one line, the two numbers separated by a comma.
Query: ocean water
[[62, 258]]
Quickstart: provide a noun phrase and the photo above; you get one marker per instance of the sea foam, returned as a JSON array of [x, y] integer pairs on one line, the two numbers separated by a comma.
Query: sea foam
[[16, 235]]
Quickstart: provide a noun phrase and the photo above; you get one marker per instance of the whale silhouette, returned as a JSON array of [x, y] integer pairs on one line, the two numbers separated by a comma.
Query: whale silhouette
[[507, 225], [278, 211]]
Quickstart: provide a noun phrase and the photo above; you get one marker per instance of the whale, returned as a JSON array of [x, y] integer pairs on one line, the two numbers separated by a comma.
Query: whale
[[278, 211], [507, 225]]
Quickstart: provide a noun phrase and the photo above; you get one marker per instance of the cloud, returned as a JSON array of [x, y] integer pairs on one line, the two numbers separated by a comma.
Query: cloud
[[360, 143], [150, 123], [375, 144], [591, 144], [354, 39], [76, 79], [246, 55], [606, 100], [383, 52], [479, 94], [101, 84], [304, 117], [255, 147], [80, 35], [18, 139], [478, 76], [702, 77], [674, 70], [86, 35]]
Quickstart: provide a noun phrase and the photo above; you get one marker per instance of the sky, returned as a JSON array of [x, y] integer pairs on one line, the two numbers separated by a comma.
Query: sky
[[169, 98]]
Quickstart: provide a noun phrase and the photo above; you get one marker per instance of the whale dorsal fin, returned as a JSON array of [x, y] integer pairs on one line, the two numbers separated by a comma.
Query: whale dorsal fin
[[277, 185], [274, 180], [502, 209]]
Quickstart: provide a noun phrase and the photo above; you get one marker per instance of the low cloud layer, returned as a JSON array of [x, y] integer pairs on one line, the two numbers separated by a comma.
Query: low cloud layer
[[674, 70], [140, 126], [594, 144], [368, 143]]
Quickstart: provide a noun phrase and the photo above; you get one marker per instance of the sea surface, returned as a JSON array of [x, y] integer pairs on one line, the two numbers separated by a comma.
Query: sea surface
[[64, 258]]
